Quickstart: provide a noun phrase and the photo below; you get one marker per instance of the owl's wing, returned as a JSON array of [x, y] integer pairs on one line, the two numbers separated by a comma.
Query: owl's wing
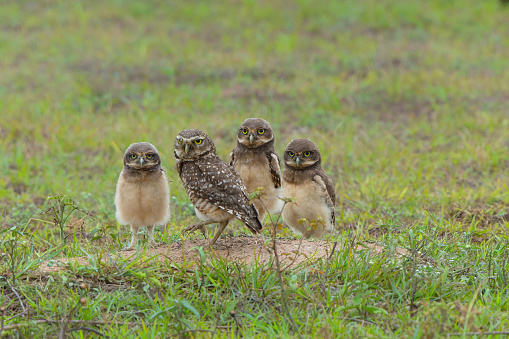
[[222, 186], [178, 164], [326, 182], [275, 168], [232, 158]]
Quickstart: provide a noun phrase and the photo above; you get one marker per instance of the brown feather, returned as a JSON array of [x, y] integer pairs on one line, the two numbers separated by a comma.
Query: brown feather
[[276, 173], [210, 182]]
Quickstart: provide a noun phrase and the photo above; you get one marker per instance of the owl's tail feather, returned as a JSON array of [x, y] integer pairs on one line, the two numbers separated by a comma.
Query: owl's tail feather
[[252, 220], [253, 224]]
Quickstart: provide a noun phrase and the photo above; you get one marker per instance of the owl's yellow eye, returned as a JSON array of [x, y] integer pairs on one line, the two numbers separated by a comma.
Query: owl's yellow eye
[[149, 156], [133, 156], [291, 154], [307, 154], [244, 131], [261, 131], [179, 141], [198, 141]]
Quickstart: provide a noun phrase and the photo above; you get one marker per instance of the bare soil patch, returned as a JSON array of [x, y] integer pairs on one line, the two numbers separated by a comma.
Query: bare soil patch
[[243, 249]]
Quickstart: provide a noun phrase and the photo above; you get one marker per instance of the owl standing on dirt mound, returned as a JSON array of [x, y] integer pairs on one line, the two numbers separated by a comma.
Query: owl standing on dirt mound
[[258, 164], [143, 195], [305, 180], [215, 188]]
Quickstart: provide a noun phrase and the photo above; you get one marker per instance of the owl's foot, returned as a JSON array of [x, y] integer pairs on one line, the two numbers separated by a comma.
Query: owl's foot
[[154, 244], [194, 227], [134, 240]]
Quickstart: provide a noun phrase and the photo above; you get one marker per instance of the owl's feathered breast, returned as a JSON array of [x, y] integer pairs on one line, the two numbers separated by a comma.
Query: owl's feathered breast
[[264, 156], [299, 177]]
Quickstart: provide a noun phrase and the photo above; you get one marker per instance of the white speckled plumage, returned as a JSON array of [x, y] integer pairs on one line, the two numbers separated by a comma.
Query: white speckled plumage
[[215, 189]]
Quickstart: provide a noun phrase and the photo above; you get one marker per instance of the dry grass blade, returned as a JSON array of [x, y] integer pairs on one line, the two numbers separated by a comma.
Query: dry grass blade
[[89, 330], [191, 331], [284, 300], [20, 302]]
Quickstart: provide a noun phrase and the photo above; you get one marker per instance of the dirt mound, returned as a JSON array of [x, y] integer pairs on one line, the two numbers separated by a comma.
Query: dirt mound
[[243, 249]]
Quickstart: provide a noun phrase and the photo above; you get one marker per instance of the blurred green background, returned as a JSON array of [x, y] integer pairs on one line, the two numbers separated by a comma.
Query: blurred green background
[[407, 100]]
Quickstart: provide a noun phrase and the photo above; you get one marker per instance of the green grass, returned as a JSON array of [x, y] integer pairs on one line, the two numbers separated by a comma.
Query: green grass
[[407, 100]]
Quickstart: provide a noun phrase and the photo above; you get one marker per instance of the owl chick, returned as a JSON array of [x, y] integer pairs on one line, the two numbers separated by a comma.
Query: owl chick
[[258, 164], [215, 188], [305, 180], [143, 195]]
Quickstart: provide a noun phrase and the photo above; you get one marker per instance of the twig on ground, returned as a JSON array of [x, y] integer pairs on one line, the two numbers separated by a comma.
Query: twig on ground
[[238, 326], [191, 331], [47, 321], [20, 301], [2, 310], [296, 255], [471, 306], [66, 322], [361, 321], [414, 281], [333, 249], [479, 333], [88, 329], [278, 266], [324, 277]]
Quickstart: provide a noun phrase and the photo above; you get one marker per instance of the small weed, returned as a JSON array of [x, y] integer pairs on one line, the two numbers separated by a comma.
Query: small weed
[[60, 208]]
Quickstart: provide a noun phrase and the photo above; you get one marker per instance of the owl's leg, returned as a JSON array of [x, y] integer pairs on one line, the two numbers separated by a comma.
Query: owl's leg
[[220, 228], [134, 238], [150, 230]]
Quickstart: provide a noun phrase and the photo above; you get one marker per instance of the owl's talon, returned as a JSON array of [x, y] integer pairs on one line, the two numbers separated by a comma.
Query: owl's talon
[[154, 244], [194, 227]]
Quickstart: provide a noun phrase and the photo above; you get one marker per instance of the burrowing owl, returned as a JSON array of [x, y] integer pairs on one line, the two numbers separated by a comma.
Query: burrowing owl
[[257, 163], [305, 180], [143, 195], [215, 189]]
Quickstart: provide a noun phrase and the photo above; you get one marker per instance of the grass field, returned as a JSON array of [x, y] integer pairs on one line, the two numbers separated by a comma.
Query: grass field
[[407, 100]]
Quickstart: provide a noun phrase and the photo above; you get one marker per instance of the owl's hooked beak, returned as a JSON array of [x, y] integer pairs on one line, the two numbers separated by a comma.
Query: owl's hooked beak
[[186, 148], [141, 161], [251, 138], [298, 161]]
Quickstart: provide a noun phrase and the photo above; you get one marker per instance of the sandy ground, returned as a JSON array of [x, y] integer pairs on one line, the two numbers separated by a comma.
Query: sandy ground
[[243, 249]]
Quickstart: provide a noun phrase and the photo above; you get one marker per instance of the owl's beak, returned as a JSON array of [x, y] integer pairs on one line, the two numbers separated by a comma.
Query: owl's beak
[[251, 138], [298, 161], [186, 148], [141, 161]]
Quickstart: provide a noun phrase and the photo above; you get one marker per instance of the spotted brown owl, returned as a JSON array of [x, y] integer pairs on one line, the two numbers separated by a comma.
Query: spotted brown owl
[[312, 213], [258, 164], [215, 188], [142, 198]]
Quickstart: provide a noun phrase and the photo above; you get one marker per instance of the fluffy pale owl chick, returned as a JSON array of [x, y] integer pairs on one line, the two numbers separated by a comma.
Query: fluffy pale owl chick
[[258, 164], [215, 188], [305, 180], [143, 195]]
